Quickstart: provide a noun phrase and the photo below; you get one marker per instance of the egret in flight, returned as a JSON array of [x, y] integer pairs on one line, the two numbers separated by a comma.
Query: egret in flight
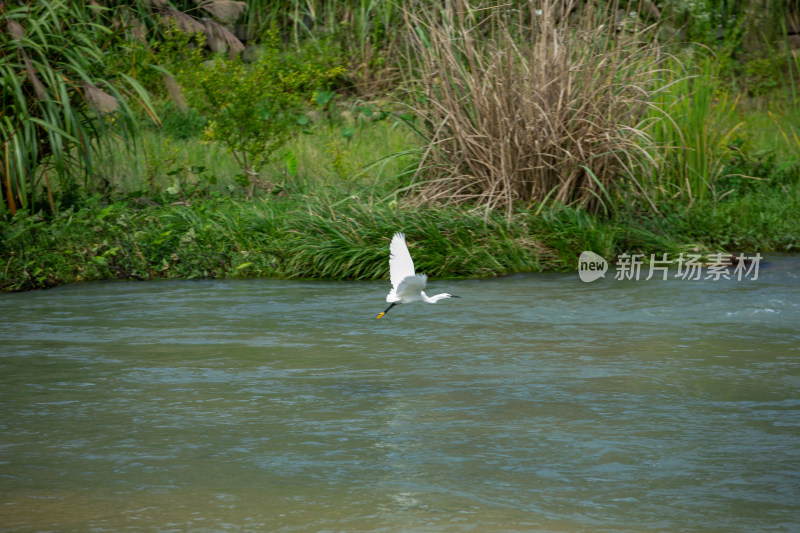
[[407, 286]]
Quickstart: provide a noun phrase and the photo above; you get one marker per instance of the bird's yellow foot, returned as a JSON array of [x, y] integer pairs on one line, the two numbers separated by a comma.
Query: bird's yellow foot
[[379, 315]]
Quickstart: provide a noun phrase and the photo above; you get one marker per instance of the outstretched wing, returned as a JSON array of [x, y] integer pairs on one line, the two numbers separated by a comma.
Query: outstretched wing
[[410, 287], [401, 265]]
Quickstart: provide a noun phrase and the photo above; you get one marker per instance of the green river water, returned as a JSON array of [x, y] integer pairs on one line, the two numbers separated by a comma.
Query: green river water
[[533, 403]]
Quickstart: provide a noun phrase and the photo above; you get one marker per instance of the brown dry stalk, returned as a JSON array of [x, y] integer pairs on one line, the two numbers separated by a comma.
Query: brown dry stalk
[[528, 105]]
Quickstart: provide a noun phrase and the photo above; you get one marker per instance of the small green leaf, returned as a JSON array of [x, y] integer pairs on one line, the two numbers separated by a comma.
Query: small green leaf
[[105, 212], [324, 97], [291, 163]]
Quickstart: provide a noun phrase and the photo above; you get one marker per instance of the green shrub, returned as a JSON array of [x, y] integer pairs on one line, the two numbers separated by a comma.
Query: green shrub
[[254, 108], [762, 75], [180, 124]]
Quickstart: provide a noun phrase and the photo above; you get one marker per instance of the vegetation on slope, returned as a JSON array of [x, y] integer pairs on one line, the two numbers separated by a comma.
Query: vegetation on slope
[[291, 139]]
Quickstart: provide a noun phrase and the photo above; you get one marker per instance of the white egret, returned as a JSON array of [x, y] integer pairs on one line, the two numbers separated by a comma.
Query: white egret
[[407, 285]]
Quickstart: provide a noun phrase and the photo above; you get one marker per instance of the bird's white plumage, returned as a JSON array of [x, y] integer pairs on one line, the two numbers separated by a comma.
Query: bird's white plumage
[[408, 290], [401, 265], [407, 285]]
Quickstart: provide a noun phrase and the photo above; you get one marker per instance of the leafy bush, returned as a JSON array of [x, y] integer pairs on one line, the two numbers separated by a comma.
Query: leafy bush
[[365, 34], [253, 109], [182, 124]]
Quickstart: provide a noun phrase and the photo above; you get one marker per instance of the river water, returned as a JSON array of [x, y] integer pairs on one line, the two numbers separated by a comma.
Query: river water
[[534, 403]]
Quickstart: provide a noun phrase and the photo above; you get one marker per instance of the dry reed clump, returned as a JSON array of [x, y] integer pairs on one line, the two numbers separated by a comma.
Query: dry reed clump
[[531, 104]]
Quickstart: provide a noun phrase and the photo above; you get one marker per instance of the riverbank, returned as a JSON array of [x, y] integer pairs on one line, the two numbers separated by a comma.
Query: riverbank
[[305, 237], [297, 154]]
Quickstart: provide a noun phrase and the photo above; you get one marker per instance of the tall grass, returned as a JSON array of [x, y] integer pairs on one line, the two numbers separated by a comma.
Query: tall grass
[[695, 123], [528, 105], [62, 96]]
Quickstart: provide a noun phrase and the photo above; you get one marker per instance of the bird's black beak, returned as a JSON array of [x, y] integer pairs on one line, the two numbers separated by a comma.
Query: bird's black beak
[[454, 296]]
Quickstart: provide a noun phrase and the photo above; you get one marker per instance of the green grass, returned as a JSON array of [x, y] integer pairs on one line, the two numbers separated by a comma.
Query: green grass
[[296, 237], [347, 155], [764, 219], [284, 237], [314, 238], [775, 126]]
